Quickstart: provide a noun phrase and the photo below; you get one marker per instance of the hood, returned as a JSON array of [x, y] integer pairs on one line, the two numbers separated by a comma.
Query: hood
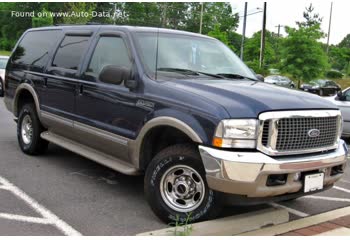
[[247, 99]]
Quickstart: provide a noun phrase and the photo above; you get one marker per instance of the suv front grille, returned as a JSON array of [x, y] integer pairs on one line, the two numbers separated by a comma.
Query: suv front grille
[[284, 134]]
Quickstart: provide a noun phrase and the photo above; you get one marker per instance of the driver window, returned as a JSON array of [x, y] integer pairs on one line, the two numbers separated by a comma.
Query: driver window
[[108, 51]]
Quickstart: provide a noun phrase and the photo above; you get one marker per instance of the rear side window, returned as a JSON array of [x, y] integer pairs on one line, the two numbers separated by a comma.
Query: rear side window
[[70, 52], [35, 47]]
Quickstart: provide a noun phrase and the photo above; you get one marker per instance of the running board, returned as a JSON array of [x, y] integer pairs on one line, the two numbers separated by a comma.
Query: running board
[[90, 153]]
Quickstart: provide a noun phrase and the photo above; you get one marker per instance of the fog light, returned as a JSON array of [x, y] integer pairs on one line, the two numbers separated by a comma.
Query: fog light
[[297, 177], [276, 180]]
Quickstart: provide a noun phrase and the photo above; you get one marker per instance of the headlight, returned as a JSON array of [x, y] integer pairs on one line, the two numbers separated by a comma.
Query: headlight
[[236, 133]]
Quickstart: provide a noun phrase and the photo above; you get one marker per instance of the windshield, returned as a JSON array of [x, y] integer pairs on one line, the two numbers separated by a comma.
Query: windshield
[[192, 53], [3, 62]]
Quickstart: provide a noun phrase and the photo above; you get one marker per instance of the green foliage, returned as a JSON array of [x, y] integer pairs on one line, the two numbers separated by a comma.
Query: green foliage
[[222, 36], [334, 74], [182, 228], [303, 56], [345, 43], [46, 20]]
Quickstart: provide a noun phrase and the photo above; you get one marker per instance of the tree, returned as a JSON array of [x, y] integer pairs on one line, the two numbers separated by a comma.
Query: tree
[[45, 20], [345, 43], [303, 56], [81, 12]]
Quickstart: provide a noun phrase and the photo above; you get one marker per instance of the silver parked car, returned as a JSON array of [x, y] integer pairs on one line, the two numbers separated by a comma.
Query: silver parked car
[[3, 62], [342, 100], [280, 81]]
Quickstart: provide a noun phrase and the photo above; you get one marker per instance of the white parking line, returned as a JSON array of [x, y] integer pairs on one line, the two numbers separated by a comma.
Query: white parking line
[[342, 189], [24, 218], [329, 198], [48, 216], [291, 210]]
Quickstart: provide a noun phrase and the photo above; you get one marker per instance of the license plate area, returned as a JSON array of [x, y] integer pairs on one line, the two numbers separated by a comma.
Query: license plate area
[[313, 182]]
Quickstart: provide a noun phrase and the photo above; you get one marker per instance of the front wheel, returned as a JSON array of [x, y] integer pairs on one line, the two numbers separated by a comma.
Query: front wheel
[[176, 188]]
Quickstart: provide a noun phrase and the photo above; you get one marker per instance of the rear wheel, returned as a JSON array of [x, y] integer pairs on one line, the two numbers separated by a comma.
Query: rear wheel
[[176, 187], [29, 129]]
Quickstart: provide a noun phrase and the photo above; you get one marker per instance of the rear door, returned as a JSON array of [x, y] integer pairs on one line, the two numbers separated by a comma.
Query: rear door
[[62, 74], [62, 79]]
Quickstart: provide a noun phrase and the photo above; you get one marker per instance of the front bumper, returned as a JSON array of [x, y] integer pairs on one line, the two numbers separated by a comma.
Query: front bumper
[[246, 173]]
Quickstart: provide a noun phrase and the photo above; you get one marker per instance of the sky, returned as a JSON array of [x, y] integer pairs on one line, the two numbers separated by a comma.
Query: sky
[[287, 12]]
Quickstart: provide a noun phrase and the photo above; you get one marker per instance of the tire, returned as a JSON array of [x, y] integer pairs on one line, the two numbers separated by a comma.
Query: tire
[[185, 157], [30, 143], [1, 88]]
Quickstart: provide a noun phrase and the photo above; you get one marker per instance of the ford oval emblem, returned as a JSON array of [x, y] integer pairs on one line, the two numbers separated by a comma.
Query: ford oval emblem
[[313, 133]]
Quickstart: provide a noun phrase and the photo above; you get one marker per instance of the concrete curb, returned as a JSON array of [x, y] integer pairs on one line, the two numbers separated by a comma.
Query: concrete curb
[[233, 225], [300, 223]]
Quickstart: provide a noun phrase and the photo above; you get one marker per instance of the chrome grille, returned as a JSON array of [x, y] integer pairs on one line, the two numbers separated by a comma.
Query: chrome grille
[[293, 133], [288, 132]]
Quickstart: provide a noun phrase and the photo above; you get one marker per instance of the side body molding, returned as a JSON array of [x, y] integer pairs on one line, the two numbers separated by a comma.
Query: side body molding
[[28, 87], [135, 145]]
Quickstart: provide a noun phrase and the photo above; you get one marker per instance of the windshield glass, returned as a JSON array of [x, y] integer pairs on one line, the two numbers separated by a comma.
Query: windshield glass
[[3, 62], [176, 51]]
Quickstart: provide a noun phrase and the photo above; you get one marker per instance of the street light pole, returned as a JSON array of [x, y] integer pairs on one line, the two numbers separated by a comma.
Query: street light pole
[[329, 28], [263, 33], [201, 20], [244, 29]]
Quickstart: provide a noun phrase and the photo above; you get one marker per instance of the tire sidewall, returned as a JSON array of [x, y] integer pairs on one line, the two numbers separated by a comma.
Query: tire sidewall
[[27, 110], [154, 195]]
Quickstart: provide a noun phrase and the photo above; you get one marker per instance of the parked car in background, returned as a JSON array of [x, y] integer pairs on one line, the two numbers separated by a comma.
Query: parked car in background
[[3, 62], [342, 100], [322, 87], [280, 81]]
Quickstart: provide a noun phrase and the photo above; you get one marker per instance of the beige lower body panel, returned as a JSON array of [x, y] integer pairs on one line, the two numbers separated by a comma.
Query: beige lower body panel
[[249, 177]]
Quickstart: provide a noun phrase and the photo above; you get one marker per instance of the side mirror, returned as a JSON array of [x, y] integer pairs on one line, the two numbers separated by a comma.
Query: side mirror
[[340, 96], [260, 77], [114, 74]]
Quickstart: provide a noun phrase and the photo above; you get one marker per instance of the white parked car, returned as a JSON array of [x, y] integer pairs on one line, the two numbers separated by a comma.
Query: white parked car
[[342, 100], [3, 62]]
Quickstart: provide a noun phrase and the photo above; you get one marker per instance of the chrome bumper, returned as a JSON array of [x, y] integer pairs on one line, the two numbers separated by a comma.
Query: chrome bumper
[[246, 173]]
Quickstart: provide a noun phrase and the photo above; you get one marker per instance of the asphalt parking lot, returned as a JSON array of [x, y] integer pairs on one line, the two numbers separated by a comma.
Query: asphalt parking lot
[[61, 193]]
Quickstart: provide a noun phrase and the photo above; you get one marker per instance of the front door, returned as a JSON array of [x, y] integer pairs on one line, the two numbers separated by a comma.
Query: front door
[[108, 113]]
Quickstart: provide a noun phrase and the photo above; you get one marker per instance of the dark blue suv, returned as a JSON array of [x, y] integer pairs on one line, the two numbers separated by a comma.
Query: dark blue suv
[[180, 108]]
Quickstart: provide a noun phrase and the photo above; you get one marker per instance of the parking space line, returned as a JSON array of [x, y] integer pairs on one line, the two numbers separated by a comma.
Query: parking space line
[[342, 189], [24, 218], [47, 214], [291, 210], [329, 198]]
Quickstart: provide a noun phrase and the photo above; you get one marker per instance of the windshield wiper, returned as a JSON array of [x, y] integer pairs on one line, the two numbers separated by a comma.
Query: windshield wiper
[[235, 76], [189, 72]]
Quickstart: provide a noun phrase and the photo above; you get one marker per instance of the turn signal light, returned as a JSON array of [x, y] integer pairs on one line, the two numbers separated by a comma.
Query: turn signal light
[[217, 142]]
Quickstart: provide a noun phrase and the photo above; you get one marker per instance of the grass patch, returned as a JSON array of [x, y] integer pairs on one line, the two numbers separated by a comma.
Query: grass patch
[[5, 53]]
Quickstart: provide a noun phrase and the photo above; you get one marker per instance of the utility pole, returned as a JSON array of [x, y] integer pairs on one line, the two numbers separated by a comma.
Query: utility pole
[[279, 30], [263, 33], [201, 20], [244, 28], [329, 28]]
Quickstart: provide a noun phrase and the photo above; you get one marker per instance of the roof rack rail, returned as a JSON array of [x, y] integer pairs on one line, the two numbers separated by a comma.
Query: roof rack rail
[[79, 24]]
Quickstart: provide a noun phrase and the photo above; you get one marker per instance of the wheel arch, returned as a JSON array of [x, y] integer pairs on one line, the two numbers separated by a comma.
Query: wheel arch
[[160, 124], [24, 91]]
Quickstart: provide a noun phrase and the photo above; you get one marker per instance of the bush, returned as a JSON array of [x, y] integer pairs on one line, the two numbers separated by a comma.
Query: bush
[[256, 68], [334, 74]]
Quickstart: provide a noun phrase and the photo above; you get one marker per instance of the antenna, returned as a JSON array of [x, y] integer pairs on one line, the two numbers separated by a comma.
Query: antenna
[[157, 47]]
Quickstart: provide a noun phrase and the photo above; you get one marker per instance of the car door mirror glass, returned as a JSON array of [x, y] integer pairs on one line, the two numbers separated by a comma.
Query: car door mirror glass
[[260, 77], [114, 74]]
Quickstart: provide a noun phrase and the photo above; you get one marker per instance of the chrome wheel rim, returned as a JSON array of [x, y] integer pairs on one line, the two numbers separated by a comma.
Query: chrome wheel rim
[[182, 188], [27, 130]]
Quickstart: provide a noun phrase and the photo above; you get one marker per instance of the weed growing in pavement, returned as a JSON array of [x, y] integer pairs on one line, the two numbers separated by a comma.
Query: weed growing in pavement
[[182, 228]]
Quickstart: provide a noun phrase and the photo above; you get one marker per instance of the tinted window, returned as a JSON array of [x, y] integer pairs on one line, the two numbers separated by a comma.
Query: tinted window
[[3, 62], [108, 51], [35, 47], [70, 52]]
